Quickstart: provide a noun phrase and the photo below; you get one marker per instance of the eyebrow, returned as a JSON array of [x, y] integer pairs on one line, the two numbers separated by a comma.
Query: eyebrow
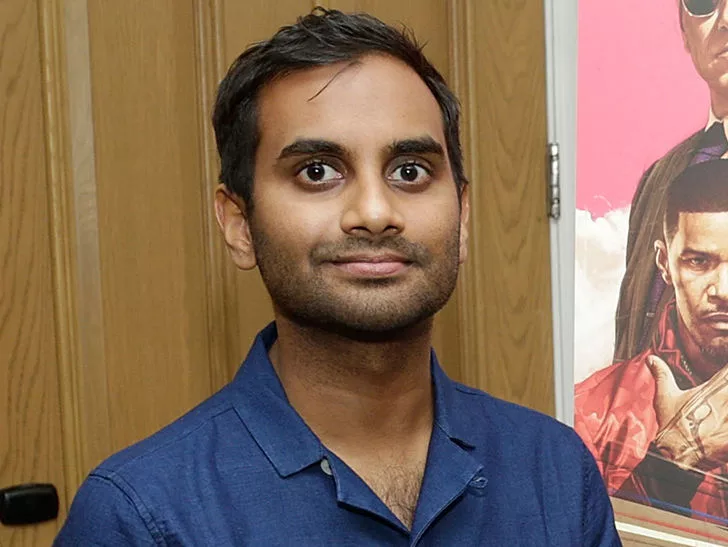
[[419, 145], [691, 251], [310, 147]]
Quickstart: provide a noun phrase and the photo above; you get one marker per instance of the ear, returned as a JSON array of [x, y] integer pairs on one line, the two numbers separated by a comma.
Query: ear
[[661, 261], [464, 223], [233, 222]]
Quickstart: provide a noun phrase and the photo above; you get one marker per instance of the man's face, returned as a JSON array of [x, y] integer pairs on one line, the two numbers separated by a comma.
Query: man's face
[[357, 225], [706, 39], [697, 267]]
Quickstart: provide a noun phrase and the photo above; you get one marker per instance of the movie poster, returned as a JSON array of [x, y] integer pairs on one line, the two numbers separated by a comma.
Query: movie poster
[[651, 279]]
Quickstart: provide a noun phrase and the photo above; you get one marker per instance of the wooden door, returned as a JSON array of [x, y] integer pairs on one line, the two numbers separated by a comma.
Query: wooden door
[[32, 446], [118, 307]]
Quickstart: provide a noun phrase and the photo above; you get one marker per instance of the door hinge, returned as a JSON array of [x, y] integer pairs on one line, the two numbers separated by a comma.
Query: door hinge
[[554, 182]]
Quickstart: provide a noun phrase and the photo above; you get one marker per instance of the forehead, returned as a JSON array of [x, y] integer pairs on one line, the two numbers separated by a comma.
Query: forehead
[[374, 99], [703, 231]]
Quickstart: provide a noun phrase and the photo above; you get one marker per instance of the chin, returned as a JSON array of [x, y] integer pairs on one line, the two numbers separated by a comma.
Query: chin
[[380, 323], [380, 335], [717, 351], [370, 323]]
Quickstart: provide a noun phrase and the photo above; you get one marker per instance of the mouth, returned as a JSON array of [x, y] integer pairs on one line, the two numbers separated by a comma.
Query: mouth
[[723, 52], [372, 265], [718, 321]]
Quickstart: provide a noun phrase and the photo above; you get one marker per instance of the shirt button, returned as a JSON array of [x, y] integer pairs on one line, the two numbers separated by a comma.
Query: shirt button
[[326, 467]]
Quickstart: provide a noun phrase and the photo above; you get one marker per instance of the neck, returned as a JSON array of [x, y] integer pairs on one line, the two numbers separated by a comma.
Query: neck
[[353, 391], [702, 366], [719, 104]]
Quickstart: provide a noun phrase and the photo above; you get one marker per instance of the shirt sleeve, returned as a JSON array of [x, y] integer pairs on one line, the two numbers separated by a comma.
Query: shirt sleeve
[[102, 514], [598, 520]]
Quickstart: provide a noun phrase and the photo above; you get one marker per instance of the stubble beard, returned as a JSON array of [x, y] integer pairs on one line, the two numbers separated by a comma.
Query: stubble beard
[[716, 350], [374, 308]]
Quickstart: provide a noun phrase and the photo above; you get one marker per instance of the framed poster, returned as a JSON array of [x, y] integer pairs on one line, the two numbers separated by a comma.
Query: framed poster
[[650, 281]]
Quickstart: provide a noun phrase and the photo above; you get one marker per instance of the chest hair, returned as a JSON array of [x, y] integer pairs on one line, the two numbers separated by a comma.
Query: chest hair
[[398, 486]]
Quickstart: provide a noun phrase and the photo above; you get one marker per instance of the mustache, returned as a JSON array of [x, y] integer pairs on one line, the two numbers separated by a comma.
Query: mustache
[[335, 251]]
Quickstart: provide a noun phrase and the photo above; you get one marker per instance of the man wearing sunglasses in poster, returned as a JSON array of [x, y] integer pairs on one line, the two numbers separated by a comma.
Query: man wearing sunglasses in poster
[[658, 423], [643, 294]]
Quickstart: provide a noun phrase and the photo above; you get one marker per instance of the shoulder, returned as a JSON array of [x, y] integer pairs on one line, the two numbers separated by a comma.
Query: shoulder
[[124, 494], [686, 146], [675, 160], [630, 373], [535, 457], [607, 375], [177, 441], [613, 402], [514, 426], [104, 514]]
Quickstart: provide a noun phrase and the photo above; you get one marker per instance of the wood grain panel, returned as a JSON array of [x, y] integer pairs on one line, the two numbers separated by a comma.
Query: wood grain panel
[[31, 449], [75, 238], [505, 289], [210, 67], [150, 221]]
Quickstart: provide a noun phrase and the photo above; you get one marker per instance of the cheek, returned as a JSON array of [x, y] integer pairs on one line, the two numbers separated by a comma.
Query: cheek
[[697, 40], [292, 221], [436, 217], [691, 288]]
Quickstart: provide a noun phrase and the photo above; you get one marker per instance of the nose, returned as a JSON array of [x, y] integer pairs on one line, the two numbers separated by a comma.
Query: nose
[[372, 208], [719, 287]]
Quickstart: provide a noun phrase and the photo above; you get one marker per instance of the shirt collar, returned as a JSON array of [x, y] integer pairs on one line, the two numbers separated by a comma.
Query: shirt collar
[[281, 433], [712, 119], [450, 412], [261, 403]]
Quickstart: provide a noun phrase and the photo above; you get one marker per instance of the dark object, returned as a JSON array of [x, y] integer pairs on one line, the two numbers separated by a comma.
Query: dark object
[[28, 504]]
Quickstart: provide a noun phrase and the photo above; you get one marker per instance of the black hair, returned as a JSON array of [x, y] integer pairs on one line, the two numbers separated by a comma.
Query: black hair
[[322, 37], [701, 188]]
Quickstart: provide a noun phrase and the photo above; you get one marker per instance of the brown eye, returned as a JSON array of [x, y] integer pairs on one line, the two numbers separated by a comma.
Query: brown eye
[[317, 173], [410, 173]]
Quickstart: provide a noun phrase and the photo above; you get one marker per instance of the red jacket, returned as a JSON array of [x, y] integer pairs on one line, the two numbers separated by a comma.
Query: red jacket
[[615, 417]]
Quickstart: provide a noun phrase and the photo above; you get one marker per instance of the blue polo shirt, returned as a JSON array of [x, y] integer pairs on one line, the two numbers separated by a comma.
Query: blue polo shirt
[[244, 469]]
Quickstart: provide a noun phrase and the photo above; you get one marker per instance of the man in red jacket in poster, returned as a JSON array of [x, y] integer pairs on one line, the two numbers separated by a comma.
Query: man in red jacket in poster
[[658, 423]]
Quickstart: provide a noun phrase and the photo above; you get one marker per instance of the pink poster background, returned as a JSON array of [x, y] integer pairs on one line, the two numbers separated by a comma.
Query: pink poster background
[[638, 96]]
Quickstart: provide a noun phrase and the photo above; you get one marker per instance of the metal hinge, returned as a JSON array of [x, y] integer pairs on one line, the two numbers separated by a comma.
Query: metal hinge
[[554, 182]]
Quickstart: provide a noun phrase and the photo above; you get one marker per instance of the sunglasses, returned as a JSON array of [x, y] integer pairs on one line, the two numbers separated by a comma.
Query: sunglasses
[[700, 8]]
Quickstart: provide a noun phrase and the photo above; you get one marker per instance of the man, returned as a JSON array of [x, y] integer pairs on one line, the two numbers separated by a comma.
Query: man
[[643, 295], [658, 423], [343, 183]]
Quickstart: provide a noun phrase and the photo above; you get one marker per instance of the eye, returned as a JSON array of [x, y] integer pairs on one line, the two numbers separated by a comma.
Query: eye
[[318, 172], [697, 262], [410, 173]]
